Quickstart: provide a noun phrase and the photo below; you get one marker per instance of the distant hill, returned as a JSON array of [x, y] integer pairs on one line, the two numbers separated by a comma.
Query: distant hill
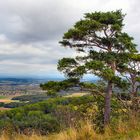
[[27, 81], [23, 81]]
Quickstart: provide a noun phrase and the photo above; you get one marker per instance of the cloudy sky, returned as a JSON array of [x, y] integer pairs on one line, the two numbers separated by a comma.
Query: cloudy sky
[[31, 29]]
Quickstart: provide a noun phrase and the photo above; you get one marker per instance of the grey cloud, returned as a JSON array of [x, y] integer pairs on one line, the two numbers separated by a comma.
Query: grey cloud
[[29, 21], [31, 53], [36, 20], [30, 30]]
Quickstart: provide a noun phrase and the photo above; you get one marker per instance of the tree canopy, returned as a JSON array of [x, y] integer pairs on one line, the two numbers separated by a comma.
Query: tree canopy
[[107, 50]]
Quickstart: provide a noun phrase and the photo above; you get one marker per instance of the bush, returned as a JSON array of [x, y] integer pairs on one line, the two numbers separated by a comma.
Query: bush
[[2, 104], [51, 93], [57, 113], [14, 104], [31, 98]]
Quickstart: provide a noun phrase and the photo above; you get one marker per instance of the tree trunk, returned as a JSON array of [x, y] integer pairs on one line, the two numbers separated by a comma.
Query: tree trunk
[[134, 92], [107, 104], [134, 89]]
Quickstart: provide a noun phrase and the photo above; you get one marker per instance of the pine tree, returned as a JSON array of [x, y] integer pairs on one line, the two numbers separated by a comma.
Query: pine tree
[[105, 47]]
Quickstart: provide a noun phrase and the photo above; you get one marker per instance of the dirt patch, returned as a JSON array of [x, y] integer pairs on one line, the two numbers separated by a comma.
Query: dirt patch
[[2, 108], [77, 94], [6, 100]]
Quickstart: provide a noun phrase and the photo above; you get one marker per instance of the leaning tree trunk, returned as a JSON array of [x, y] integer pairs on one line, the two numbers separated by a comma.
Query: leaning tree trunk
[[107, 110]]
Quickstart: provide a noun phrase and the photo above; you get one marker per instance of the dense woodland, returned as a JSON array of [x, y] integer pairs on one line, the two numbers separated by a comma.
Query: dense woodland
[[111, 107]]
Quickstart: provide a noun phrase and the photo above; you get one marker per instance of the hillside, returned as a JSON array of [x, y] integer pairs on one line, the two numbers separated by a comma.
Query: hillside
[[64, 118]]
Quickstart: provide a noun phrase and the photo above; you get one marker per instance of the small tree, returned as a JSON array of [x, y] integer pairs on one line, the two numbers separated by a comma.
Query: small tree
[[99, 36], [133, 72]]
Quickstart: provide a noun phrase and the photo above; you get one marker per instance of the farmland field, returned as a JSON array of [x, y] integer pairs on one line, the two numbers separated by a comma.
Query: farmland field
[[7, 99]]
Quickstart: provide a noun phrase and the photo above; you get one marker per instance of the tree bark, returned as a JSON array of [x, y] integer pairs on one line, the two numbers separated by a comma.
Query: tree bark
[[107, 110], [134, 85]]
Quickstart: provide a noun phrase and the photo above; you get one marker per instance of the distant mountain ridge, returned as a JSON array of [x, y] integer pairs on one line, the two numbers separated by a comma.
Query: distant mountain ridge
[[27, 81]]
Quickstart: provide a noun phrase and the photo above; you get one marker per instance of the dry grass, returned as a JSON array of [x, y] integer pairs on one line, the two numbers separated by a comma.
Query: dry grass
[[22, 137], [8, 98], [77, 94], [83, 133], [124, 131]]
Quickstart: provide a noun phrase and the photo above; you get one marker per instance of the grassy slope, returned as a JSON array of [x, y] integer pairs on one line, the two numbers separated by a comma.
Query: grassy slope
[[83, 133], [124, 131]]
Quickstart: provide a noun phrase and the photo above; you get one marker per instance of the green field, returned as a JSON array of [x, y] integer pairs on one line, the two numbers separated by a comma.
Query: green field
[[2, 97]]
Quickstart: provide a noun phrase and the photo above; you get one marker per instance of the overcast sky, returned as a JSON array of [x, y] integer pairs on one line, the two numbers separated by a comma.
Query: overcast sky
[[31, 29]]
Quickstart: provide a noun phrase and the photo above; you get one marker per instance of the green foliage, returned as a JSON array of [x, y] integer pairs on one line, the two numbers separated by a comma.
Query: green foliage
[[102, 30], [94, 65], [14, 104], [51, 85], [59, 113], [67, 62], [55, 86], [2, 104], [124, 96], [51, 93], [131, 73], [70, 68], [31, 98], [107, 74], [88, 85]]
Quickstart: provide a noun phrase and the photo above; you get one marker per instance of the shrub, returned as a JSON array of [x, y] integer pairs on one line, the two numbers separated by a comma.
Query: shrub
[[2, 104]]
